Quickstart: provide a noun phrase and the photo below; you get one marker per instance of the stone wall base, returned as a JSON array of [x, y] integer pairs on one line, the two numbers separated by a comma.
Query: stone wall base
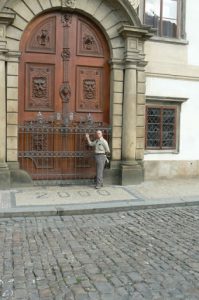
[[112, 175], [168, 169], [18, 177], [4, 176], [132, 173]]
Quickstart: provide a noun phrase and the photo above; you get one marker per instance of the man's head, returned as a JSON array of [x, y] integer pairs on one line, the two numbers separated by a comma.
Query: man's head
[[99, 134]]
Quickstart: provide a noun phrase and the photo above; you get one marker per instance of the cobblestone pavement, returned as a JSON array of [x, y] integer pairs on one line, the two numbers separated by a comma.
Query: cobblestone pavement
[[147, 254]]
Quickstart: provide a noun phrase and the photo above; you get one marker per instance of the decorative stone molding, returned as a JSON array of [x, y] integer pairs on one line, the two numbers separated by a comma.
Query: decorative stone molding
[[5, 20], [69, 3]]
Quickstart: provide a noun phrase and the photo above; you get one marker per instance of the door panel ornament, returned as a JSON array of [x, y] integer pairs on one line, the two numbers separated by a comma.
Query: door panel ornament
[[66, 20], [43, 37], [89, 89], [66, 54], [88, 42], [89, 86], [65, 92], [39, 90]]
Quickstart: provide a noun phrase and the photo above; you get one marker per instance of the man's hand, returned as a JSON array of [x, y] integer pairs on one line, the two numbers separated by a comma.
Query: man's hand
[[108, 155], [87, 136]]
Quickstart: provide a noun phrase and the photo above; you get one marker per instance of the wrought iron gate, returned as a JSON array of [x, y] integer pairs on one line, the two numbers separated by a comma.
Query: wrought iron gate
[[54, 149]]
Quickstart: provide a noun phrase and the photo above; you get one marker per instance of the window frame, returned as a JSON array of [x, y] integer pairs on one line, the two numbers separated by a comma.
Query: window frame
[[181, 35], [165, 102]]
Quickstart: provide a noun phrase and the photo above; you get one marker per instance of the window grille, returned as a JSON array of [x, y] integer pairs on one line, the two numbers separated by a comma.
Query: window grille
[[160, 127]]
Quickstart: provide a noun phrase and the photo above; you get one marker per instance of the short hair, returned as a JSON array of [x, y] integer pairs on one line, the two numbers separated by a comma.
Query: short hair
[[99, 130]]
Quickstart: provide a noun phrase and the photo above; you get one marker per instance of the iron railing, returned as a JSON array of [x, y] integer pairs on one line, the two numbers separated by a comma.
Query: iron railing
[[54, 151]]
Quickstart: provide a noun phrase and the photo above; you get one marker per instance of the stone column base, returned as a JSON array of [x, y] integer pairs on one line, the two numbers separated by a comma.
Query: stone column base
[[132, 172], [18, 177]]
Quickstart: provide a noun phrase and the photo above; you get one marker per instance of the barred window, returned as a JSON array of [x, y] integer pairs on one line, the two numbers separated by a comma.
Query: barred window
[[165, 15], [161, 127]]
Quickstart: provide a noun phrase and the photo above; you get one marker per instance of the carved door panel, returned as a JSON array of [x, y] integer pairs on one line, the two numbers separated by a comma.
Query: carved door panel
[[63, 72]]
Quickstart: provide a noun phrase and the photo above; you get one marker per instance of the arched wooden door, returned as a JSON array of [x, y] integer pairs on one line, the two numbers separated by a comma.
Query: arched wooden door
[[63, 92]]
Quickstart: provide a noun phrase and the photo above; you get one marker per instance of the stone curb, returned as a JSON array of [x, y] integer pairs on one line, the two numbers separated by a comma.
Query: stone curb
[[94, 208]]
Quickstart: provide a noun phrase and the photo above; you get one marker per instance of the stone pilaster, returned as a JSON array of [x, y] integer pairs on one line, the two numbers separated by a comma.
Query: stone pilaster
[[132, 167], [5, 20]]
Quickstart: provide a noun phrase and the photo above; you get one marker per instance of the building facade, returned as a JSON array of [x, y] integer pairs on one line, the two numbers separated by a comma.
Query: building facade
[[71, 66]]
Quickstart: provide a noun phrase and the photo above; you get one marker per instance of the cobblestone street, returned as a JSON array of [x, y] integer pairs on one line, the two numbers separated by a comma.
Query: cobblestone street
[[146, 254]]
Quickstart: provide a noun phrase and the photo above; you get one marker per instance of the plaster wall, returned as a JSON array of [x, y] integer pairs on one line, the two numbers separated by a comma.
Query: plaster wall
[[173, 71]]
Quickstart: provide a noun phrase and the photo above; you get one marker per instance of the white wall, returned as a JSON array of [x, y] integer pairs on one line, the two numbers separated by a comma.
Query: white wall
[[189, 117], [192, 25]]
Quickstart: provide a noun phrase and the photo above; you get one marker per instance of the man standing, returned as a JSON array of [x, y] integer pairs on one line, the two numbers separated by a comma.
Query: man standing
[[101, 149]]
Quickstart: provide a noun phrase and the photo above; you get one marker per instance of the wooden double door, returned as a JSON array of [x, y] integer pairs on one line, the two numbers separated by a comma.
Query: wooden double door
[[63, 85]]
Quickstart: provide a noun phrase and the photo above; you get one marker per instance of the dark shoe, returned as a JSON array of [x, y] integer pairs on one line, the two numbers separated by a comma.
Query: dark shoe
[[98, 187]]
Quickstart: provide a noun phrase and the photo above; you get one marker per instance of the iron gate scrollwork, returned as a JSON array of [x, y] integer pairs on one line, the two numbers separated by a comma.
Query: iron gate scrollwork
[[54, 148]]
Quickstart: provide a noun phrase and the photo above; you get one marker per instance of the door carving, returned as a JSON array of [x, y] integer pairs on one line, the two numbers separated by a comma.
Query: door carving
[[64, 79]]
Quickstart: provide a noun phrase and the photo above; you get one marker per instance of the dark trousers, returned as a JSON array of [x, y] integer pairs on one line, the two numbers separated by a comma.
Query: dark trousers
[[100, 163]]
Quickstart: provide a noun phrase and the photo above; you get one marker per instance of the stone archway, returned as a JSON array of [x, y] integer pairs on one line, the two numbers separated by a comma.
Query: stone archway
[[125, 36]]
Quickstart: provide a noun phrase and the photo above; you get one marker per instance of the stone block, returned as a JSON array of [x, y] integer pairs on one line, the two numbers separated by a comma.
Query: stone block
[[102, 12], [12, 68], [118, 86], [140, 143], [151, 170], [22, 10], [12, 118], [34, 6], [45, 4], [117, 109], [12, 93], [140, 132], [139, 154], [81, 4], [56, 3], [12, 143], [117, 120], [12, 44], [132, 173], [117, 42], [141, 88], [112, 176], [12, 81], [12, 106], [118, 75], [140, 121], [141, 99], [140, 110], [141, 77], [118, 53], [20, 23], [12, 155], [116, 143], [4, 178], [14, 33], [116, 154], [117, 98], [117, 132], [12, 130], [113, 31], [92, 6], [110, 20]]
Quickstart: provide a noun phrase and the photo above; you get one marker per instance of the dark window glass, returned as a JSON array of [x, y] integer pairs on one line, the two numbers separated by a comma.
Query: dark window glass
[[163, 15], [160, 128]]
